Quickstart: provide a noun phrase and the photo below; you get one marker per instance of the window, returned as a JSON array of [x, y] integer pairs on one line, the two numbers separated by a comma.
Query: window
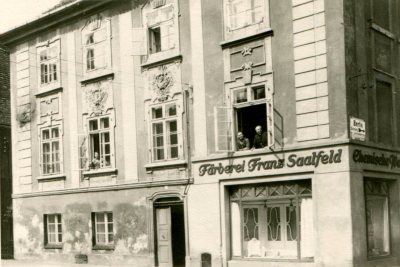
[[385, 112], [95, 49], [48, 60], [48, 65], [250, 110], [51, 155], [53, 230], [103, 233], [161, 29], [243, 13], [272, 220], [100, 142], [377, 216], [164, 128]]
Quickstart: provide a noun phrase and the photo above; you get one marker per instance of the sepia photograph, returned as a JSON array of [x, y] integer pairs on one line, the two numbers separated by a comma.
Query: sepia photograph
[[200, 133]]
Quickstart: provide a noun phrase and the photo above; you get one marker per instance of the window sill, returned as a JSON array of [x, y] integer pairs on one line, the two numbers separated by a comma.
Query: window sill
[[57, 176], [245, 38], [161, 164], [103, 247], [51, 91], [111, 171], [102, 76], [53, 246], [155, 59]]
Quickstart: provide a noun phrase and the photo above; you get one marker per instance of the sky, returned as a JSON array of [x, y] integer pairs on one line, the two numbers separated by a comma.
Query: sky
[[17, 12]]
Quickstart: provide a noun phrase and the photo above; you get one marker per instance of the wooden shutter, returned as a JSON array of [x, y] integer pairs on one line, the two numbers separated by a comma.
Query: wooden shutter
[[223, 128], [83, 151], [139, 41]]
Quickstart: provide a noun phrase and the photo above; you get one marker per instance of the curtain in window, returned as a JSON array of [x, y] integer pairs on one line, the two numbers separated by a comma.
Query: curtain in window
[[235, 224], [306, 228]]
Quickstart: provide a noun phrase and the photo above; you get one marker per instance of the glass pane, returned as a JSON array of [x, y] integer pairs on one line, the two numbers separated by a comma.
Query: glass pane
[[159, 154], [101, 228], [107, 149], [99, 217], [52, 238], [250, 223], [377, 225], [273, 223], [104, 123], [157, 113], [43, 55], [172, 126], [174, 152], [93, 125], [45, 135], [59, 229], [171, 110], [110, 238], [291, 223], [157, 128], [258, 93], [159, 141], [60, 238], [107, 161], [51, 218], [109, 217], [110, 228], [52, 228], [173, 140], [100, 35], [106, 137], [240, 96], [101, 238]]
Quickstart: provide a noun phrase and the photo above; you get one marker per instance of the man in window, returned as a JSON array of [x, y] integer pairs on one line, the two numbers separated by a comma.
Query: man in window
[[95, 164], [260, 139], [242, 142]]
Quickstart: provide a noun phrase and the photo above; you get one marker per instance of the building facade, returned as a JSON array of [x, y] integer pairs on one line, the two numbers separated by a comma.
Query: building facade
[[128, 119], [5, 157]]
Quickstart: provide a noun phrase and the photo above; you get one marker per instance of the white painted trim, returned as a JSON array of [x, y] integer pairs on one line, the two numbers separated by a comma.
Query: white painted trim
[[128, 97], [72, 111], [199, 94]]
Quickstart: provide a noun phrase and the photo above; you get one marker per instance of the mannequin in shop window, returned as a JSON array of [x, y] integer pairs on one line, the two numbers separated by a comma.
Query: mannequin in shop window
[[242, 143], [260, 139]]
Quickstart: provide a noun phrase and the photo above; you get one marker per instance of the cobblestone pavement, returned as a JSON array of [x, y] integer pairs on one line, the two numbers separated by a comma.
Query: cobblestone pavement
[[20, 263]]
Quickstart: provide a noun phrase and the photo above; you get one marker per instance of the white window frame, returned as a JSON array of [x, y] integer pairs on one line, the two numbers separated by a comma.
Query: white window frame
[[107, 232], [50, 48], [99, 132], [57, 233], [165, 134], [50, 141]]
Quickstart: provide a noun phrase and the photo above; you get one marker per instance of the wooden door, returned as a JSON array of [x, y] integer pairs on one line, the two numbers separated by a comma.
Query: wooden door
[[164, 239]]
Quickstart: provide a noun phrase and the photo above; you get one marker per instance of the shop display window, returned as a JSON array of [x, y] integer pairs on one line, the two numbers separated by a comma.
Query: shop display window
[[377, 216], [272, 221]]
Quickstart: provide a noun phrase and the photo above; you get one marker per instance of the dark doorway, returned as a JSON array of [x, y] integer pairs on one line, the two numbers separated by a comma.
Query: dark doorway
[[169, 216]]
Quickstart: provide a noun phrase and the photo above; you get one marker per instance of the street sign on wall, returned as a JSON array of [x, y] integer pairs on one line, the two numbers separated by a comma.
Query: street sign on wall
[[357, 129]]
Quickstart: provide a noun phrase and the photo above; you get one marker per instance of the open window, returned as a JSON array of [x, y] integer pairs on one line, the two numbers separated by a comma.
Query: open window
[[100, 143], [252, 106]]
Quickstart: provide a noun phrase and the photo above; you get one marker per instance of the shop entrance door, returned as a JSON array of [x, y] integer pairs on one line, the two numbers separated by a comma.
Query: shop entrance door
[[170, 234]]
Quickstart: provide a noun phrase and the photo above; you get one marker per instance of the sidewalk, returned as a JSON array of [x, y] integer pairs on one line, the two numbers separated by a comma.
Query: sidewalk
[[23, 263]]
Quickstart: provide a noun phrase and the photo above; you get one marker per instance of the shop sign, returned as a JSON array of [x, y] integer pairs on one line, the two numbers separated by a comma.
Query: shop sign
[[314, 159], [357, 129], [378, 159]]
